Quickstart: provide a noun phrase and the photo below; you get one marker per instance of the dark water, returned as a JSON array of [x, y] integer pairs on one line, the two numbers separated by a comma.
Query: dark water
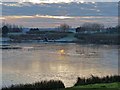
[[36, 62]]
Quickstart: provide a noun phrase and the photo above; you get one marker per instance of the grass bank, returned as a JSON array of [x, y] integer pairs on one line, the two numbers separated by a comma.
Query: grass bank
[[104, 86], [41, 35], [91, 83]]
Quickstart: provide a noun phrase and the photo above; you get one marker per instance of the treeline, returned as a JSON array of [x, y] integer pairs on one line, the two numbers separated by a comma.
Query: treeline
[[8, 28], [97, 34], [97, 28]]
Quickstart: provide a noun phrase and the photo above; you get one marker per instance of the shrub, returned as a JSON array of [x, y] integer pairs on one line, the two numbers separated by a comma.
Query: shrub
[[43, 85], [95, 79]]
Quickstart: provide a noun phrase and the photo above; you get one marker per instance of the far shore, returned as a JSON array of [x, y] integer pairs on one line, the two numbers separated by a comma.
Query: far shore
[[55, 41]]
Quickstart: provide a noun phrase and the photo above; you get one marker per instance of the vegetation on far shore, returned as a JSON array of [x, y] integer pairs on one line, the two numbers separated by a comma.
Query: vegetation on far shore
[[97, 34], [93, 33], [92, 82]]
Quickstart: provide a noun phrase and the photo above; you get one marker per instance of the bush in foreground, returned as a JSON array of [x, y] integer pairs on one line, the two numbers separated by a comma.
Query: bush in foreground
[[43, 85], [96, 79]]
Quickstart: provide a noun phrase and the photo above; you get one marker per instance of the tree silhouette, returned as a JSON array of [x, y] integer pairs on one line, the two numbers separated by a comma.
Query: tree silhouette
[[5, 30], [64, 27]]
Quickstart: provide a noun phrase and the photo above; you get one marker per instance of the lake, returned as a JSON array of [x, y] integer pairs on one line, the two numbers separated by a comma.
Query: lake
[[63, 61]]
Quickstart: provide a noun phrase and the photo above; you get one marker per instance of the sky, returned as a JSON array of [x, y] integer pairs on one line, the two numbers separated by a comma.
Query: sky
[[58, 1], [52, 13]]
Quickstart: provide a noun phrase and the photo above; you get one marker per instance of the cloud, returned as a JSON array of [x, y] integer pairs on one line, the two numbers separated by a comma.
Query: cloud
[[61, 9], [56, 17], [52, 15], [39, 16], [53, 21]]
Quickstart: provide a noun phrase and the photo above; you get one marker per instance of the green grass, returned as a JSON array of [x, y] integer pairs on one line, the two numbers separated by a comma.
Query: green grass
[[105, 86]]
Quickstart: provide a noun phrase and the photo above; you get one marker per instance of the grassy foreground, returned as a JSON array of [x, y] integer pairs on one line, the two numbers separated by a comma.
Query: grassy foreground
[[105, 86], [91, 83]]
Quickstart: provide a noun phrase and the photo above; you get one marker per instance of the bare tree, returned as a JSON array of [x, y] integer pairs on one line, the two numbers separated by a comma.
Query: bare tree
[[64, 27], [14, 28], [93, 26], [5, 30]]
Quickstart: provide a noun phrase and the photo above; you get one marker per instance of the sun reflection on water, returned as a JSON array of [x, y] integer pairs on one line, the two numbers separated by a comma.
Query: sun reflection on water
[[62, 52]]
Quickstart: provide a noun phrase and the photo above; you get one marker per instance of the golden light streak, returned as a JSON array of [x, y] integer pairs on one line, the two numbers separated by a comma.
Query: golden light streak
[[53, 17], [40, 16], [2, 18], [62, 51]]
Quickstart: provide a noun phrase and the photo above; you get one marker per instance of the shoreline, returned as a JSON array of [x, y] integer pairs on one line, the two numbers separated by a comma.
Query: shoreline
[[75, 42], [15, 45]]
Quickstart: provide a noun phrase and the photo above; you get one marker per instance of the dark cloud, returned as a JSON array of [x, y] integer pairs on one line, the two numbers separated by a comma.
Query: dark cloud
[[52, 15], [61, 9]]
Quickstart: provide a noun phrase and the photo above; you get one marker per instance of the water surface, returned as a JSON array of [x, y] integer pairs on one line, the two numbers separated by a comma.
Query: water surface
[[36, 62]]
